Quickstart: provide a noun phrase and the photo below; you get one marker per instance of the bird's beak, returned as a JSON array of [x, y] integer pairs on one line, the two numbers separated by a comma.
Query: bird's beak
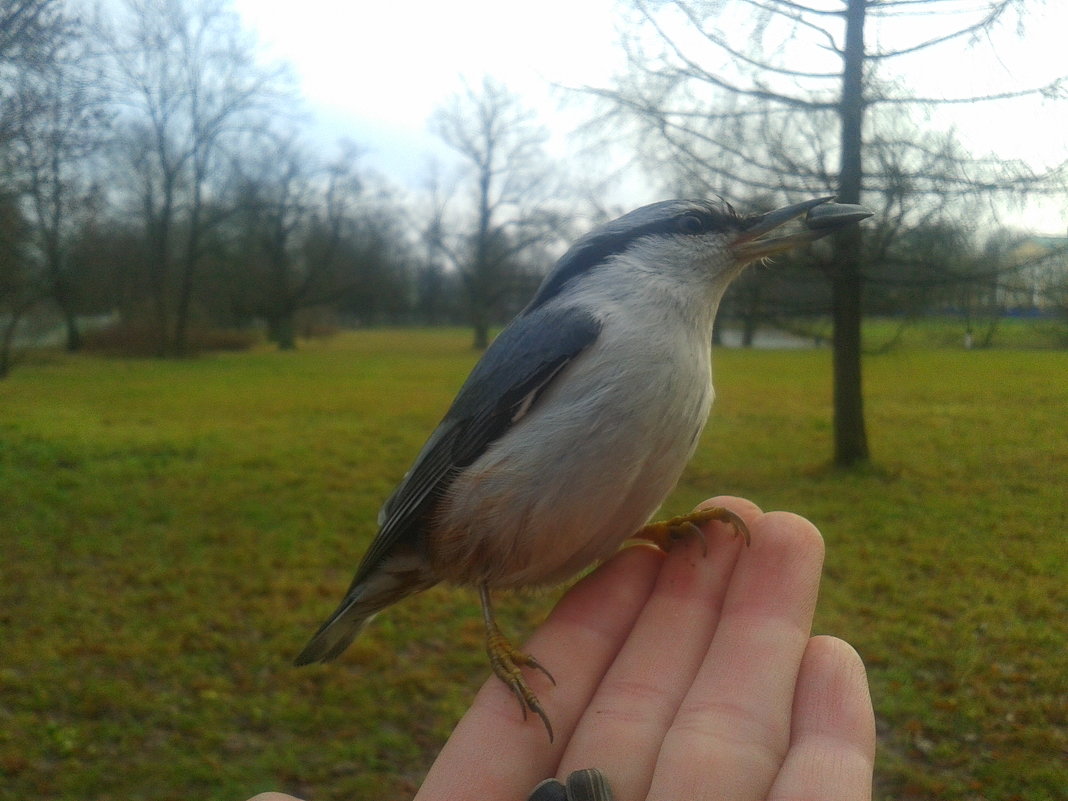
[[822, 217]]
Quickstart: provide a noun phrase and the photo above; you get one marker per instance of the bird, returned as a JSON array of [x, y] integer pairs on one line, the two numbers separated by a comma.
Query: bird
[[576, 422]]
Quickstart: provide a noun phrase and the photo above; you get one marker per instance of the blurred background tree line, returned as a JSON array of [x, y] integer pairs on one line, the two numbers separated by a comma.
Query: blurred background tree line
[[163, 191]]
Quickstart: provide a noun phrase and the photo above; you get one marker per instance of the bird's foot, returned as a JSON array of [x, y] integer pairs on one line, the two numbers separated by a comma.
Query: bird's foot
[[506, 661], [666, 533]]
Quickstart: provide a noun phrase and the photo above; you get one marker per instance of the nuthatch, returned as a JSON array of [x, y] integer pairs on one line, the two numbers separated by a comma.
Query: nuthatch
[[576, 423]]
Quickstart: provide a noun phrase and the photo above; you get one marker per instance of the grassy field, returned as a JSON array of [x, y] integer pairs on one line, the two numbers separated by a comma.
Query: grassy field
[[172, 533]]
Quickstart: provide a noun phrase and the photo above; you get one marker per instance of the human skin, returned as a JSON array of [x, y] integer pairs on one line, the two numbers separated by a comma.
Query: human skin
[[685, 675]]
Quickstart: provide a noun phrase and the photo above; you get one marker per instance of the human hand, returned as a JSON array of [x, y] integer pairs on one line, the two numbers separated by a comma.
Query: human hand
[[682, 676]]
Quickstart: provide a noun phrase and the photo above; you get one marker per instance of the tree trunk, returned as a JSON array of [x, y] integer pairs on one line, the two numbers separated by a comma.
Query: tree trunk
[[751, 313], [850, 437], [74, 334], [189, 270], [62, 296], [7, 340], [749, 329], [282, 330], [480, 323], [158, 263], [7, 337]]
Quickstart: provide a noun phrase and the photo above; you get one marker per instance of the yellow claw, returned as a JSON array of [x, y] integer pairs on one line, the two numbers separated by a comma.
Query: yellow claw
[[506, 661], [665, 533]]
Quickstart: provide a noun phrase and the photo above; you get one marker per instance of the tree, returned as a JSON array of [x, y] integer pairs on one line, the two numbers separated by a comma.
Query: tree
[[434, 288], [31, 34], [509, 178], [19, 292], [1054, 263], [797, 110], [298, 231], [188, 89], [375, 262], [57, 127]]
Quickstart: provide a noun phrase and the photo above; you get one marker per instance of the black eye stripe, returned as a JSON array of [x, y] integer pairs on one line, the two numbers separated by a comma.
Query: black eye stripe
[[688, 218]]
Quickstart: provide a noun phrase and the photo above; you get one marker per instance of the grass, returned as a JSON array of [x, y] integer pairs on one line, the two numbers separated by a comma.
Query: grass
[[882, 334], [172, 532]]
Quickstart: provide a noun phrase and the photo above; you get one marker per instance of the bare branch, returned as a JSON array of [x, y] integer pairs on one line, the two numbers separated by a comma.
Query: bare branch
[[983, 24], [692, 70], [764, 66], [798, 18], [799, 7], [507, 171], [1049, 90]]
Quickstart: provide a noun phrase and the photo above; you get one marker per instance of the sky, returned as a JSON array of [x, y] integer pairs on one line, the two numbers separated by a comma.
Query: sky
[[375, 70]]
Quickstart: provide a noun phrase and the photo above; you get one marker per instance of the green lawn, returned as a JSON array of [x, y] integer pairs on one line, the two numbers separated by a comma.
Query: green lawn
[[173, 532]]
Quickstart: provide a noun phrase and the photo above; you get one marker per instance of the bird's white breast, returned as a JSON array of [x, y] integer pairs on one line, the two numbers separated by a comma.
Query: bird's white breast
[[590, 463]]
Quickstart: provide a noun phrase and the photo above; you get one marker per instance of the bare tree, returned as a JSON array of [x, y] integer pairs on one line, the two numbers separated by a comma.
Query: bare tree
[[294, 211], [32, 32], [432, 277], [58, 127], [509, 177], [375, 260], [19, 291], [187, 84], [754, 117]]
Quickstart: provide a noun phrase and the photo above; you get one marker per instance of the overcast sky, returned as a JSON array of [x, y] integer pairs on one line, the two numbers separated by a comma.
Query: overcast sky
[[374, 70]]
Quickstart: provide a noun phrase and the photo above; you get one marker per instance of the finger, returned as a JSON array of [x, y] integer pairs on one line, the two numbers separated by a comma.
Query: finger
[[732, 730], [832, 741], [493, 752], [622, 729]]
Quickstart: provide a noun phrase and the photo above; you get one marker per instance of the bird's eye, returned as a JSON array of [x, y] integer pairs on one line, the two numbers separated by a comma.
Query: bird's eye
[[691, 224]]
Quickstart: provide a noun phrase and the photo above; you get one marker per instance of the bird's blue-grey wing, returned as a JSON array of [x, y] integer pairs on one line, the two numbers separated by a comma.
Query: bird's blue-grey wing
[[506, 383]]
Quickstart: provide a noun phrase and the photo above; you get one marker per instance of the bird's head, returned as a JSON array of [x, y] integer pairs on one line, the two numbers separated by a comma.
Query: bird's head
[[696, 241]]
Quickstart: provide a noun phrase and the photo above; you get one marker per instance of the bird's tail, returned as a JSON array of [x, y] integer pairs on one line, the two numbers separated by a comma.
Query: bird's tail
[[395, 580], [336, 634]]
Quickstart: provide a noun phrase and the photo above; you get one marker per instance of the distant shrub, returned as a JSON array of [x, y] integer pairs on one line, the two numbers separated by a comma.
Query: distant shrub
[[141, 339], [223, 339], [319, 330], [123, 339]]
